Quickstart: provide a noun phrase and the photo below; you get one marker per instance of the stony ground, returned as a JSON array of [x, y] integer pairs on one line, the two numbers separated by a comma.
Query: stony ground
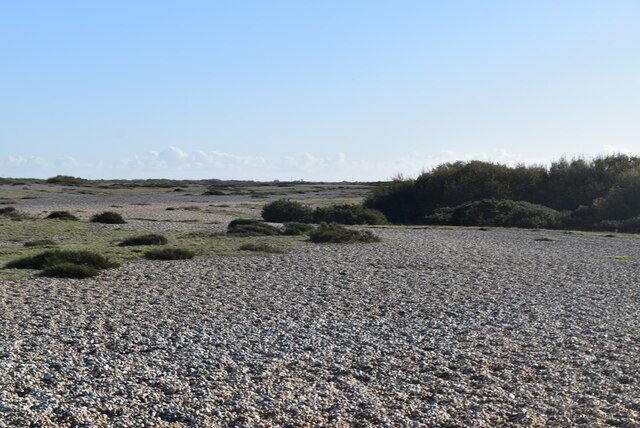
[[429, 328]]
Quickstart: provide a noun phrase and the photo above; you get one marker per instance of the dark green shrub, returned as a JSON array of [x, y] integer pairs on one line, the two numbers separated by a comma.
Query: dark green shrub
[[108, 217], [40, 243], [248, 227], [260, 247], [8, 211], [169, 254], [150, 239], [62, 215], [213, 192], [284, 210], [349, 214], [67, 180], [53, 257], [335, 233], [69, 270], [294, 228]]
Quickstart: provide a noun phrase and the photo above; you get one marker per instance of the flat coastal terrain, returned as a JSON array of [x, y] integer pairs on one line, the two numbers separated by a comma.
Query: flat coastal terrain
[[430, 327]]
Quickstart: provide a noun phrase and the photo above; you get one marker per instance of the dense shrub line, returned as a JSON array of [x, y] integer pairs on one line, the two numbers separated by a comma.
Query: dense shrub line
[[603, 193]]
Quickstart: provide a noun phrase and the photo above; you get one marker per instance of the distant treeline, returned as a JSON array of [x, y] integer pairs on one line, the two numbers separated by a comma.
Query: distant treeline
[[598, 194]]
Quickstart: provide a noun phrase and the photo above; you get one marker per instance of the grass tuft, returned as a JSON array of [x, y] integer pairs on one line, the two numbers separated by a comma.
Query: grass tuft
[[53, 257], [335, 233], [546, 239], [69, 270], [62, 215], [169, 254], [40, 243], [632, 259], [150, 239], [108, 217], [260, 247], [248, 227], [295, 228]]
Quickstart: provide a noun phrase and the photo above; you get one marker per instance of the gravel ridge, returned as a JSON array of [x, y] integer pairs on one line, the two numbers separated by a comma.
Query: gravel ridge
[[428, 328]]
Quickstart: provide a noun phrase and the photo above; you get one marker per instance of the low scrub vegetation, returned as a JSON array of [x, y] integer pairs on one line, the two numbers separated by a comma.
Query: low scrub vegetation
[[598, 194], [14, 214], [62, 215], [249, 227], [169, 254], [108, 217], [260, 247], [285, 210], [64, 263], [295, 228], [67, 180], [150, 239], [335, 233], [40, 243]]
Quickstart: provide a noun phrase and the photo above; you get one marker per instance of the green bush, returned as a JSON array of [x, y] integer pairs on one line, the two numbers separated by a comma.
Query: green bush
[[349, 214], [108, 217], [169, 254], [260, 247], [335, 233], [62, 215], [498, 213], [150, 239], [294, 228], [213, 192], [13, 214], [284, 210], [54, 257], [248, 227], [67, 180], [69, 270]]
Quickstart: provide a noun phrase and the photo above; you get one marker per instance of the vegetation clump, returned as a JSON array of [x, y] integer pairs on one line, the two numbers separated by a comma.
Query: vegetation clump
[[249, 227], [213, 192], [349, 214], [335, 233], [62, 215], [69, 270], [64, 263], [169, 254], [150, 239], [108, 217], [13, 214], [284, 210], [260, 247], [67, 180], [295, 228]]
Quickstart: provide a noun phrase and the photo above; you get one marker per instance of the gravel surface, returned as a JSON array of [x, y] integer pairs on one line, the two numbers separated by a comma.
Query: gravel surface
[[429, 328]]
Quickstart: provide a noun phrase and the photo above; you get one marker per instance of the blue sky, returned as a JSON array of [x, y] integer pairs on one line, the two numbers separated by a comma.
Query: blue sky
[[330, 90]]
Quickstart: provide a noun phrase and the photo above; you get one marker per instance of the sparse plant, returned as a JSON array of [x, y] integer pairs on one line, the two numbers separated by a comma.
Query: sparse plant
[[546, 239], [40, 243], [62, 215], [260, 247], [249, 227], [150, 239], [335, 233], [169, 254], [108, 217]]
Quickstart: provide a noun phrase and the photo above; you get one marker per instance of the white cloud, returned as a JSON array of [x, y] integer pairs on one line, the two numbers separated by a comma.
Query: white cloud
[[610, 149]]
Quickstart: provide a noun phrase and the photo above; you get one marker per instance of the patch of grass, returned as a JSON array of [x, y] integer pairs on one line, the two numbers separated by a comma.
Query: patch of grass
[[633, 259], [69, 270], [248, 227], [260, 247], [213, 192], [284, 210], [169, 254], [54, 257], [41, 243], [335, 233], [62, 215], [108, 217], [546, 239], [294, 228], [150, 239]]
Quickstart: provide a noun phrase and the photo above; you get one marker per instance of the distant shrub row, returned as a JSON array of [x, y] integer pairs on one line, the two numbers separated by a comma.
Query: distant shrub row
[[584, 194], [285, 210]]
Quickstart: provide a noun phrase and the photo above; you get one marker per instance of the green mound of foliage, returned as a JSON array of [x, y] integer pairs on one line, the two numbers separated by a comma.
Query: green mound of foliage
[[53, 257], [498, 213], [349, 214], [260, 247], [169, 254], [108, 217], [150, 239], [62, 215], [69, 270], [213, 192], [248, 227], [295, 228], [13, 214], [285, 210], [67, 180], [335, 233]]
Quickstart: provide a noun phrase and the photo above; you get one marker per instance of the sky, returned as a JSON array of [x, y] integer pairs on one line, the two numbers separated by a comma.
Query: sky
[[300, 90]]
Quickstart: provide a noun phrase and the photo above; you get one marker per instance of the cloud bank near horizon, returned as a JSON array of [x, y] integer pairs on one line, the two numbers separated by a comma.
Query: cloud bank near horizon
[[177, 163]]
